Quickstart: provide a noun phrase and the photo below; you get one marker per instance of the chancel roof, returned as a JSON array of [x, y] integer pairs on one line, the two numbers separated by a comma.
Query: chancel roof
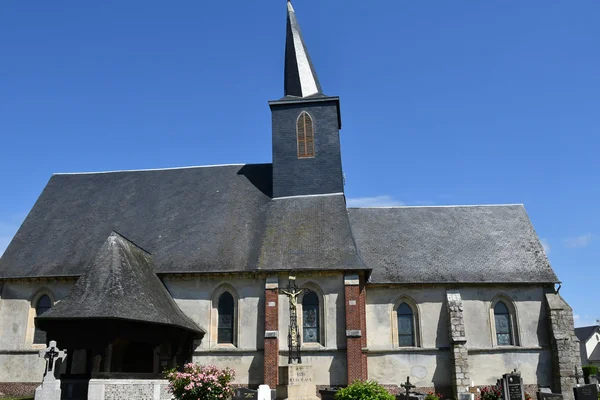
[[468, 244], [192, 220], [120, 284]]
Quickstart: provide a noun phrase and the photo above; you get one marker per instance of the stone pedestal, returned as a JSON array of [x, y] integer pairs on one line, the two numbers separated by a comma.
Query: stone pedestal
[[296, 383], [49, 389]]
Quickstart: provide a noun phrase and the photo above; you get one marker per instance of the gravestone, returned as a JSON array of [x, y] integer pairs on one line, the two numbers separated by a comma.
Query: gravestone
[[245, 394], [50, 387], [586, 392], [512, 386], [544, 395], [265, 393]]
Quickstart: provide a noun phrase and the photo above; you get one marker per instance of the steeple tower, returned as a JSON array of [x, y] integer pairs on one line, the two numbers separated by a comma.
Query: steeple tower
[[306, 123], [300, 75]]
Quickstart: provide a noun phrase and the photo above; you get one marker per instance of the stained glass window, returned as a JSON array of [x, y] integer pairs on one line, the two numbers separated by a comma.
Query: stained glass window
[[43, 305], [406, 328], [305, 135], [310, 318], [225, 326], [503, 328]]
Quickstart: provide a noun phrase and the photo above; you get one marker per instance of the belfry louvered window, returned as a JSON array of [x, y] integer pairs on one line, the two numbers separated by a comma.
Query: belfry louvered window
[[44, 304], [225, 323], [305, 135]]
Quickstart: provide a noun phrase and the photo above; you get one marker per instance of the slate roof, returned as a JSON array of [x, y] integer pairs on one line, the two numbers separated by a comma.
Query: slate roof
[[197, 219], [469, 244], [300, 75], [585, 332], [223, 219], [120, 283]]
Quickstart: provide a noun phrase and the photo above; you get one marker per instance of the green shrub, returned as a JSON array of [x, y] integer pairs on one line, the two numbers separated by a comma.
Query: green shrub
[[589, 370], [364, 390]]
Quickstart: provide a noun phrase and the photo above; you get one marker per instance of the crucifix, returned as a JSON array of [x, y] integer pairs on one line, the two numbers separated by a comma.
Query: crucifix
[[407, 386], [292, 292], [51, 354]]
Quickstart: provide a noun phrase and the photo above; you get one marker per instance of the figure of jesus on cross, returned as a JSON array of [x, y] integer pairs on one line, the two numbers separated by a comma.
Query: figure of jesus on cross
[[292, 292], [51, 354]]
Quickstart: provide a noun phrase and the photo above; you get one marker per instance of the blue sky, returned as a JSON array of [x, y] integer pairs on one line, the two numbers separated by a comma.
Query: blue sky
[[443, 102]]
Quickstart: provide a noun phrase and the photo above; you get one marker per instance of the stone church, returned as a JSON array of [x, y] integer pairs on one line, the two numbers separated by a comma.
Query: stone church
[[133, 272]]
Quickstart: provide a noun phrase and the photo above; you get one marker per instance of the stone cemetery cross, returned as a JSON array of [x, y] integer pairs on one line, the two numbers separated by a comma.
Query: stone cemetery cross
[[407, 386], [577, 375], [50, 354], [292, 292]]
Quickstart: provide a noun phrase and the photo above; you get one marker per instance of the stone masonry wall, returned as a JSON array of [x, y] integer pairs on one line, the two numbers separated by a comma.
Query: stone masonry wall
[[458, 338], [566, 358]]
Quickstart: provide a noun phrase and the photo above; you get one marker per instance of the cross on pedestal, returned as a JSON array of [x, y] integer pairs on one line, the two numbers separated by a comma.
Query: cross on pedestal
[[577, 375], [407, 386], [51, 354]]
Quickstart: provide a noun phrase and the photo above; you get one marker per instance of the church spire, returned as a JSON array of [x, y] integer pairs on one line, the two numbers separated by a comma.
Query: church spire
[[300, 75]]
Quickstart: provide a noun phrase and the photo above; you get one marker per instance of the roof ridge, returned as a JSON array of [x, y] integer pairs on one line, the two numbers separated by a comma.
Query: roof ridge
[[441, 206], [308, 195], [154, 169]]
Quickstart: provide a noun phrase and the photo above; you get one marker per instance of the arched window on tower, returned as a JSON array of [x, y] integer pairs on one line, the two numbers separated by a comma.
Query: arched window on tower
[[502, 320], [44, 303], [406, 326], [226, 313], [305, 135], [310, 318]]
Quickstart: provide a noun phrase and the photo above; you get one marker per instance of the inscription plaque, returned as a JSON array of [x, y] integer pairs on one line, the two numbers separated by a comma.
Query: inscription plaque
[[586, 392]]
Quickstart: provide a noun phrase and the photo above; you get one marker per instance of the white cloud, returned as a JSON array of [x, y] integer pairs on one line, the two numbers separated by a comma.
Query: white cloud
[[375, 201], [546, 245], [578, 241]]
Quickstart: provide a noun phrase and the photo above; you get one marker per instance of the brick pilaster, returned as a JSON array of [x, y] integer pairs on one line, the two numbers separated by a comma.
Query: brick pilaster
[[356, 335], [458, 342], [271, 351]]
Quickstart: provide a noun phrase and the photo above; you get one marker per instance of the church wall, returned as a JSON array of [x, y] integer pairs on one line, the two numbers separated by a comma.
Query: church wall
[[426, 368], [329, 366], [488, 366], [328, 358], [429, 363], [330, 289], [19, 361], [528, 301], [197, 298]]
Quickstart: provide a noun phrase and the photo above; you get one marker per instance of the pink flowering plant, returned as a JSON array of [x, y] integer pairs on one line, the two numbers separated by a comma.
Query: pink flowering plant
[[201, 382]]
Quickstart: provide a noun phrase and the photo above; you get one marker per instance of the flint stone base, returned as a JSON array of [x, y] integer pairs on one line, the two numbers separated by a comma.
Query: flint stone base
[[48, 390], [128, 389], [296, 383]]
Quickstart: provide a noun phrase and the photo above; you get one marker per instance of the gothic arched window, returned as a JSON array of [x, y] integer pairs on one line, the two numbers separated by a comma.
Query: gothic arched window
[[43, 304], [305, 135], [310, 318], [226, 313], [406, 326], [502, 320]]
